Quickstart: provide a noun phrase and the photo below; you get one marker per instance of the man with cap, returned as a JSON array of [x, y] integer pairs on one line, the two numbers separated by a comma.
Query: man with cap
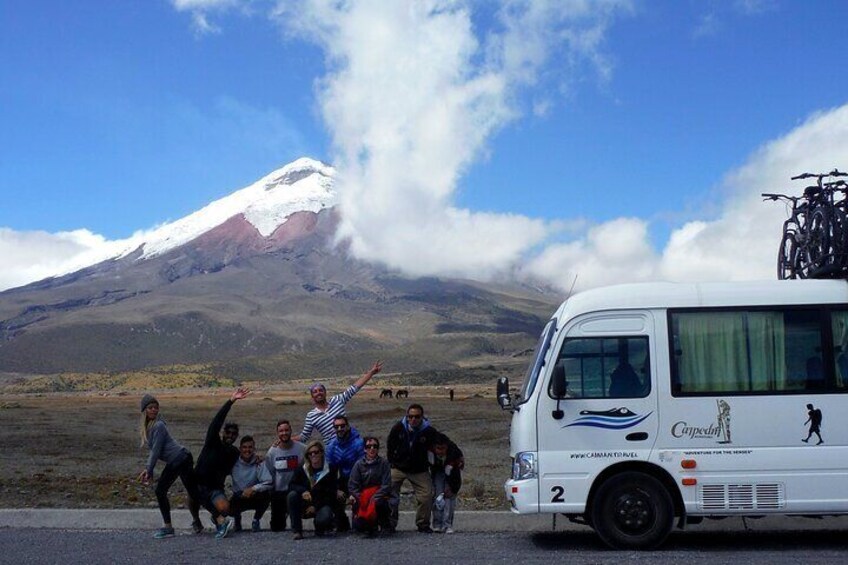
[[215, 462], [324, 412]]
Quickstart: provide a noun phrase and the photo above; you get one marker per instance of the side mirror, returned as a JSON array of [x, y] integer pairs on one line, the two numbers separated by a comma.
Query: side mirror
[[559, 385], [503, 394], [559, 388]]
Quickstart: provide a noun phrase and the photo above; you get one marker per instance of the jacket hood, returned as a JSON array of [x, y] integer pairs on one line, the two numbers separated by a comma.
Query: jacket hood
[[425, 423]]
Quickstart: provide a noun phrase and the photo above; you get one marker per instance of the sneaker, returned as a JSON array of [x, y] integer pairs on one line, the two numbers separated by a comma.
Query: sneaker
[[425, 530], [298, 536], [256, 526], [163, 533], [225, 528], [197, 527], [448, 530]]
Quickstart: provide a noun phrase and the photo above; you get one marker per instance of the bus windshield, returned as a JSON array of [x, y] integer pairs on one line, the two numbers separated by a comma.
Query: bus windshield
[[538, 362]]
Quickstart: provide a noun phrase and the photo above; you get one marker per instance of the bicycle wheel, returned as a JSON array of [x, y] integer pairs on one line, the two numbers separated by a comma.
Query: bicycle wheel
[[818, 252], [788, 256], [839, 239]]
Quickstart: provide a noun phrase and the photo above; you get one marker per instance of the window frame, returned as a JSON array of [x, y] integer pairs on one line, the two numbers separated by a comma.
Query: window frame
[[827, 353], [650, 381]]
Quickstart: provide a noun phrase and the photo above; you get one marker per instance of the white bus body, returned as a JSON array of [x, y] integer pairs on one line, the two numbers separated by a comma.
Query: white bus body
[[685, 401]]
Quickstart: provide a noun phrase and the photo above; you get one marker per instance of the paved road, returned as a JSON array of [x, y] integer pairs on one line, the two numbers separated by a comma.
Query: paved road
[[90, 547]]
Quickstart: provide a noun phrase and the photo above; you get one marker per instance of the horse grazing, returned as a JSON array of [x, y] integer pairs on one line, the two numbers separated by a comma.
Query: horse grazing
[[386, 392], [402, 393]]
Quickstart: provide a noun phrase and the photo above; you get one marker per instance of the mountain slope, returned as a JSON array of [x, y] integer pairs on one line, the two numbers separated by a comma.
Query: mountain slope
[[255, 275]]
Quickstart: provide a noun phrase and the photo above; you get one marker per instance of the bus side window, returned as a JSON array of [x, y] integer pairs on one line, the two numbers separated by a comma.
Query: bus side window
[[839, 330], [604, 367]]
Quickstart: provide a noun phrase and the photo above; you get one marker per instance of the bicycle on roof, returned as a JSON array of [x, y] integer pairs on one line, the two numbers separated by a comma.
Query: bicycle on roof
[[814, 242]]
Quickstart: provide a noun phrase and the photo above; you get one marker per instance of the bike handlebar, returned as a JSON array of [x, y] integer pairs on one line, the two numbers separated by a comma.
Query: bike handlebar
[[774, 196]]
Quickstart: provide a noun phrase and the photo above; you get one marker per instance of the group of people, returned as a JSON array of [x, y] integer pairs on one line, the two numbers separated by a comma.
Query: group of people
[[307, 477]]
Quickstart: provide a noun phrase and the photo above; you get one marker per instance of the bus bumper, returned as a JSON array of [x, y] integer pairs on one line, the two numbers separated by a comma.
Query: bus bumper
[[523, 495]]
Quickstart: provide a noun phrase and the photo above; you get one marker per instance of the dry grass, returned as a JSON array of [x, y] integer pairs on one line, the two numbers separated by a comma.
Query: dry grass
[[81, 449]]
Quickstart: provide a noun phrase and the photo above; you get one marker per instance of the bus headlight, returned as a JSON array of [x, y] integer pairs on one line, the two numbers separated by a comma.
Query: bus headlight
[[524, 466]]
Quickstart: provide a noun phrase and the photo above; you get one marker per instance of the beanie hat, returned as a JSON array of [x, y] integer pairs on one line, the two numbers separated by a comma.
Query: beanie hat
[[146, 400]]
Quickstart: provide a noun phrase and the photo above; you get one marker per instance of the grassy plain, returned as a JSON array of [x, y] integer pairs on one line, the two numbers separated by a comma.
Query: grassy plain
[[81, 449]]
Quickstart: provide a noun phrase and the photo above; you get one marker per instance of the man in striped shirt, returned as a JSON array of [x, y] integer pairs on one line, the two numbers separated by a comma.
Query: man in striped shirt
[[323, 413]]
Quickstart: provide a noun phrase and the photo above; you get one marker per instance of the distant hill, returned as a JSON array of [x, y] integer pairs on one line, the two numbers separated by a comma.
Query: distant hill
[[253, 285]]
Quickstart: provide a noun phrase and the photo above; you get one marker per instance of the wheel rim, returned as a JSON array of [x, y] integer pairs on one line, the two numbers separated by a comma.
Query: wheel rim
[[788, 256], [634, 512]]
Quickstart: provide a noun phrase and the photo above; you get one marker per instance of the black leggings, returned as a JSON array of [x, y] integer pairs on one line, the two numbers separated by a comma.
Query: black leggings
[[185, 471]]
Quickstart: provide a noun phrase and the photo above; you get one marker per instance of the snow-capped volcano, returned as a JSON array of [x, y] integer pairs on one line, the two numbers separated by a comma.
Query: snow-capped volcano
[[304, 185], [254, 275]]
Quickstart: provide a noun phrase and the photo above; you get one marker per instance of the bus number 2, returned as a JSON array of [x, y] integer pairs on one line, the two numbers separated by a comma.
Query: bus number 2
[[558, 492]]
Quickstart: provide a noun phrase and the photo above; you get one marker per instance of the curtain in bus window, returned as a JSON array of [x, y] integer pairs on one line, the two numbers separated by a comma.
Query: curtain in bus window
[[766, 340], [712, 352], [840, 346], [730, 351]]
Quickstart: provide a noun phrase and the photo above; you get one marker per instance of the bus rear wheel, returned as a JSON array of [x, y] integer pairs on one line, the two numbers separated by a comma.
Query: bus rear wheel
[[633, 511]]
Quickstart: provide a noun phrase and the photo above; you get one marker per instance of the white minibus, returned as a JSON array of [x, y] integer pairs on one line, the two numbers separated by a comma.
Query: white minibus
[[653, 404]]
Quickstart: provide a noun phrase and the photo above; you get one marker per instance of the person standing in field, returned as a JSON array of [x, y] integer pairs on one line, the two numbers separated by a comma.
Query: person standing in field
[[282, 460], [408, 446], [178, 463], [324, 411], [215, 462]]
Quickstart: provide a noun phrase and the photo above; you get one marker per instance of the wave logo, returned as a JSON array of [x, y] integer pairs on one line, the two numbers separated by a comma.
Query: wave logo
[[615, 419]]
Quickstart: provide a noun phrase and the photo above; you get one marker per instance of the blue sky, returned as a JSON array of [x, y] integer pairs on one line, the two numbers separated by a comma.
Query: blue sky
[[644, 126]]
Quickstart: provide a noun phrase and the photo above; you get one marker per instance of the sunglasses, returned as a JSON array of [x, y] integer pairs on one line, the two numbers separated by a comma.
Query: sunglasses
[[413, 416], [372, 446], [311, 453], [340, 426]]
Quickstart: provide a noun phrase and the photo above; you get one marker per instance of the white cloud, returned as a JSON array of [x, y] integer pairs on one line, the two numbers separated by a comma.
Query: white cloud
[[742, 243], [30, 256], [200, 10], [615, 251], [411, 97], [739, 244]]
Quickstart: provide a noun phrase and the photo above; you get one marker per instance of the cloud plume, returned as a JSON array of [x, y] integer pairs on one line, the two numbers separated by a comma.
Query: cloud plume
[[411, 96]]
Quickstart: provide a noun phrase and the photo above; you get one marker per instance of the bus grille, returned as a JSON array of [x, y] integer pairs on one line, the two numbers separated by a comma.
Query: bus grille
[[741, 497]]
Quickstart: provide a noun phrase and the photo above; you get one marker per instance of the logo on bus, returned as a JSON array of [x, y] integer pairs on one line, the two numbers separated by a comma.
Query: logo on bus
[[615, 419], [720, 430]]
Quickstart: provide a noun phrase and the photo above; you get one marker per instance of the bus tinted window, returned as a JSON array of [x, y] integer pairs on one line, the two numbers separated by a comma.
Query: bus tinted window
[[839, 321], [747, 351], [606, 367]]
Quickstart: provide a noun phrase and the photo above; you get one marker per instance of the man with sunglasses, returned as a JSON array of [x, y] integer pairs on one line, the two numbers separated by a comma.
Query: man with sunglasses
[[408, 447], [370, 487], [215, 462], [343, 452]]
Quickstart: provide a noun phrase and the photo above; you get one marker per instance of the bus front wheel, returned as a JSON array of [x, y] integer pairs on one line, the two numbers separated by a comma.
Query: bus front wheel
[[632, 511]]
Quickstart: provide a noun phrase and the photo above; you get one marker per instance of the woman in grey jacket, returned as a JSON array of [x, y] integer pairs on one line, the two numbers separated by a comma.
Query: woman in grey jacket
[[178, 463], [370, 487]]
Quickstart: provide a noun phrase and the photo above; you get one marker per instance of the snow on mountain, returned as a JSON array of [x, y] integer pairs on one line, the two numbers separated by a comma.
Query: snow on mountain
[[303, 185]]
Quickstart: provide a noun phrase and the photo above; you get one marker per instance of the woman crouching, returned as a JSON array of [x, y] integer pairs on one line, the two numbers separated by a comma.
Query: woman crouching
[[314, 491]]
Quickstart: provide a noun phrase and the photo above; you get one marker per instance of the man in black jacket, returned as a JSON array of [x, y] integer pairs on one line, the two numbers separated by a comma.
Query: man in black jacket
[[215, 462], [408, 445]]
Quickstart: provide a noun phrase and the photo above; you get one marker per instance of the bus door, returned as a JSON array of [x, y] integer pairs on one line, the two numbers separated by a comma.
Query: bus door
[[610, 412]]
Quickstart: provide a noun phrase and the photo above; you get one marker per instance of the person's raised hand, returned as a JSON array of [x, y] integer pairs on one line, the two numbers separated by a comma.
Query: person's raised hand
[[240, 393]]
